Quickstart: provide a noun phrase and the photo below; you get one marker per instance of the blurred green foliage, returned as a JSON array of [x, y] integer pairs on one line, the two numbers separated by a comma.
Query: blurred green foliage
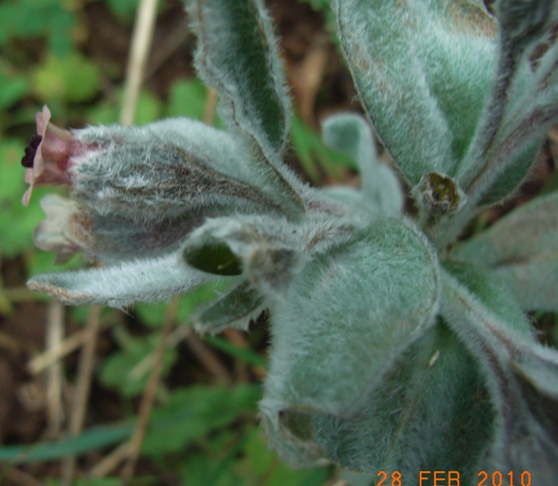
[[203, 434]]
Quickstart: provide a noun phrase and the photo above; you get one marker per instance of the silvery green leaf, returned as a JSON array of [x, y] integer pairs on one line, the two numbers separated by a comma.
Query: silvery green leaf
[[346, 316], [522, 247], [432, 389], [526, 422], [517, 169], [266, 250], [233, 310], [121, 284], [237, 55], [492, 291], [523, 101], [534, 283], [540, 369], [350, 134], [422, 69]]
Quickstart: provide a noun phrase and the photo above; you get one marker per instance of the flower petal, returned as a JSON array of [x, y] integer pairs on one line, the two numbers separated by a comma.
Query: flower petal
[[64, 230], [50, 158], [123, 284]]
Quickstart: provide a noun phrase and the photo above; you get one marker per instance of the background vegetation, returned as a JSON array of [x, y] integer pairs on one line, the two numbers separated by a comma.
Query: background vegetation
[[77, 385]]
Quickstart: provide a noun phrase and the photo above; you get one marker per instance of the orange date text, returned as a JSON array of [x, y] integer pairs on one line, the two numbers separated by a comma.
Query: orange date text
[[498, 478], [439, 478]]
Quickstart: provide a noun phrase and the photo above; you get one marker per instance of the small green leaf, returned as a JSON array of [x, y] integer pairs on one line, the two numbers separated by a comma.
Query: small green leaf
[[32, 18], [12, 89], [14, 237], [262, 467], [235, 309], [129, 369], [314, 154], [48, 451], [250, 357], [148, 110], [152, 315], [124, 8], [350, 134], [72, 78], [201, 409]]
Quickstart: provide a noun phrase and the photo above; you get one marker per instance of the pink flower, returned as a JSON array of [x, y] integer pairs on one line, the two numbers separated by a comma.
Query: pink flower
[[47, 158]]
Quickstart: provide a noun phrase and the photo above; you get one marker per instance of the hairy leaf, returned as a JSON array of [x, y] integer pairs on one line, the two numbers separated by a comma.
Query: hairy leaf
[[269, 251], [423, 104], [534, 283], [164, 169], [235, 309], [237, 55], [523, 101], [121, 284], [433, 390], [523, 249], [492, 291], [347, 316], [526, 411], [350, 134]]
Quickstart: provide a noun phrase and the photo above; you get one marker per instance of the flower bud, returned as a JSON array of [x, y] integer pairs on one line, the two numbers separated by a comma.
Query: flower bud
[[136, 191], [47, 157]]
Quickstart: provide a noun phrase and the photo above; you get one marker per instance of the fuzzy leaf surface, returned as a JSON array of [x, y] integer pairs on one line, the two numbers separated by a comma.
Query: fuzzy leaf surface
[[346, 316], [164, 169], [237, 55], [522, 247], [424, 104], [522, 104], [433, 389], [235, 309], [492, 291], [268, 251], [350, 134], [514, 368], [121, 284]]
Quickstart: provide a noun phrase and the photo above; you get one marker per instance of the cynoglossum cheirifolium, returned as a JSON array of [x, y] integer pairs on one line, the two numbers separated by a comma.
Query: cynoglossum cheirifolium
[[395, 346]]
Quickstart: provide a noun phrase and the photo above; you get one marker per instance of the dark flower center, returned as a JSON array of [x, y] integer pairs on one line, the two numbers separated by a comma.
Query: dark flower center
[[30, 151]]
